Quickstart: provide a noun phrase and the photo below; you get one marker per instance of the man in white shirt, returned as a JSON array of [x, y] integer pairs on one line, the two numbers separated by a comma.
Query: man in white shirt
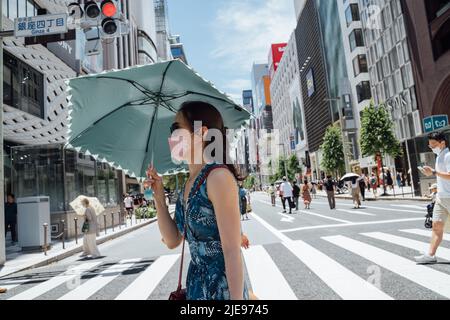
[[438, 143], [128, 201], [286, 189]]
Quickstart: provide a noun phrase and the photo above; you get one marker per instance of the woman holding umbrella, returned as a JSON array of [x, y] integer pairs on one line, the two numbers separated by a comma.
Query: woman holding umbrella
[[90, 231], [207, 210]]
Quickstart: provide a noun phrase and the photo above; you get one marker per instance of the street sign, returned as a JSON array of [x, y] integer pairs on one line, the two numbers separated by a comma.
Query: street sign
[[435, 122], [40, 25], [68, 36]]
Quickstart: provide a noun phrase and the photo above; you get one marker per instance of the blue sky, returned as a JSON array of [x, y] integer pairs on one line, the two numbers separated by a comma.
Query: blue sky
[[222, 38]]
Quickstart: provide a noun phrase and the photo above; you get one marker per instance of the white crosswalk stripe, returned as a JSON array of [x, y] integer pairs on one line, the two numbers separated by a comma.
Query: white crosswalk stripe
[[93, 285], [427, 277], [357, 212], [265, 277], [408, 243], [424, 233], [48, 285], [143, 286]]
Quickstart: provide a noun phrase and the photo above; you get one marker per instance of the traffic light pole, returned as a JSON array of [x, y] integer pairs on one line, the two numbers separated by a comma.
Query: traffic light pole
[[2, 204]]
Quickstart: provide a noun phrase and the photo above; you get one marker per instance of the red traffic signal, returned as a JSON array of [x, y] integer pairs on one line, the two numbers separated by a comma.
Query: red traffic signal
[[109, 9]]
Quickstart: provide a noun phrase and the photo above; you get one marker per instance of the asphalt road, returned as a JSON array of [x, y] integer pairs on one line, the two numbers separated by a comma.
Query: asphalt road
[[319, 253]]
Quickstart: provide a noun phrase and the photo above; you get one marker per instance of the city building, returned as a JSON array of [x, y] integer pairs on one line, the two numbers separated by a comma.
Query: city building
[[391, 71], [428, 30], [162, 30], [177, 48], [36, 110], [360, 93], [287, 104], [313, 80]]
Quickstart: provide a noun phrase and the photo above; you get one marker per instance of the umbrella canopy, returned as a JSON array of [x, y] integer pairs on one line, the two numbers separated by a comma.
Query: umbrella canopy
[[78, 207], [349, 176], [123, 117]]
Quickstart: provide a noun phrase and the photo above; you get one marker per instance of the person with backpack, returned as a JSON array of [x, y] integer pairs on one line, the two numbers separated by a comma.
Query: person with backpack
[[330, 188]]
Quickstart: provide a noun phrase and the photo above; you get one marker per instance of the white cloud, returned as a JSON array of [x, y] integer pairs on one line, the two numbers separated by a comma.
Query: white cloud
[[244, 31]]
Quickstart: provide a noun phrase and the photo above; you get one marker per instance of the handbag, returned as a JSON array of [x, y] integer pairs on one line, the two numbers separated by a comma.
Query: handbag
[[180, 293], [85, 227]]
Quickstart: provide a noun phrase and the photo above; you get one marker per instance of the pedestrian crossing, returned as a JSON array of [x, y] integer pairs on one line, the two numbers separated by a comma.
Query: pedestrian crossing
[[268, 279]]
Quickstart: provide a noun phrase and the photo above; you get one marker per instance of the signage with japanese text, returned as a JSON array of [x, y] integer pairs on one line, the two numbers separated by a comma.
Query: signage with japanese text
[[41, 25]]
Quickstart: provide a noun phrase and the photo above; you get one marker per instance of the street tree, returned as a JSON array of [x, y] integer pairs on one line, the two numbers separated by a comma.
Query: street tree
[[333, 152], [377, 135]]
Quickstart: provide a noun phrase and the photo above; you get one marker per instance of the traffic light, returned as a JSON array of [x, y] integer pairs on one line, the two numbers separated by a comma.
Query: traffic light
[[110, 19], [91, 9]]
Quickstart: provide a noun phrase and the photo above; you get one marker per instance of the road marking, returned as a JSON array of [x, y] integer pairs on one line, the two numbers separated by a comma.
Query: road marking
[[391, 210], [143, 286], [350, 224], [266, 279], [48, 285], [425, 233], [427, 277], [409, 206], [341, 280], [357, 212], [313, 214], [408, 243], [286, 218], [90, 287], [325, 217], [13, 283]]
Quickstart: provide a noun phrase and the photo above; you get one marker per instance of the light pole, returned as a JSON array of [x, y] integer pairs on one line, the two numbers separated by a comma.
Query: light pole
[[285, 160]]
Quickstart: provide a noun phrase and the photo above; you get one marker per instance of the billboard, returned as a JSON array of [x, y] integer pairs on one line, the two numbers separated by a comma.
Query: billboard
[[275, 55], [310, 82]]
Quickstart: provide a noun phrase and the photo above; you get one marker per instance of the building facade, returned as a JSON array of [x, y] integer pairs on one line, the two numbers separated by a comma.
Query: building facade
[[177, 48]]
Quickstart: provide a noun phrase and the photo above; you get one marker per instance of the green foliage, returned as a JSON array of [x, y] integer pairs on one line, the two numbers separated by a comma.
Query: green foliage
[[333, 160], [377, 134], [145, 212], [249, 182]]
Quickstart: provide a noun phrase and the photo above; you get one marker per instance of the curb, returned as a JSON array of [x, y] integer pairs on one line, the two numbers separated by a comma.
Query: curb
[[79, 248]]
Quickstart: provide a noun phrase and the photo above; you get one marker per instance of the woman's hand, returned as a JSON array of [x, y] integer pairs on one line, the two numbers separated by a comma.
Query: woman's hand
[[154, 181], [245, 243]]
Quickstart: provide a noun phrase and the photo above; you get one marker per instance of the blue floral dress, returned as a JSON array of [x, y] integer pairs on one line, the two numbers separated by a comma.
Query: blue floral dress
[[206, 278]]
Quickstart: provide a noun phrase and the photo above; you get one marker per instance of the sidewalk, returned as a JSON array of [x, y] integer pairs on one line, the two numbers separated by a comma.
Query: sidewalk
[[17, 260], [404, 193]]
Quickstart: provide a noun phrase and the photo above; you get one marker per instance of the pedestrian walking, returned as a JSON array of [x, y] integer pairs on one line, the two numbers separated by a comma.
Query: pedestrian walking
[[314, 190], [243, 201], [11, 217], [287, 189], [374, 184], [330, 188], [399, 179], [355, 191], [283, 201], [362, 186], [90, 229], [306, 195], [207, 209], [389, 180], [295, 193], [272, 193], [128, 201], [441, 211]]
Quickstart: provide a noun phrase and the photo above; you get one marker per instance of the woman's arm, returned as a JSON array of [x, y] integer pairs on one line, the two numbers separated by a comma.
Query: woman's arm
[[223, 193], [168, 228]]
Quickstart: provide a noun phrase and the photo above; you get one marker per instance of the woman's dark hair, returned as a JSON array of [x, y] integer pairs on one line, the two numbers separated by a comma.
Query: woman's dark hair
[[438, 136], [210, 118]]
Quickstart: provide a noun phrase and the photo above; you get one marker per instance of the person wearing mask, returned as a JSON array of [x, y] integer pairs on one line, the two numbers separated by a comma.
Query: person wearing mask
[[295, 193], [330, 188], [11, 216], [287, 189], [272, 194], [438, 144], [207, 208]]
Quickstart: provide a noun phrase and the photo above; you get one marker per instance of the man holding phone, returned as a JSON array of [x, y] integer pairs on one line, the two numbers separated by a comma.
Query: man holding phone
[[438, 144]]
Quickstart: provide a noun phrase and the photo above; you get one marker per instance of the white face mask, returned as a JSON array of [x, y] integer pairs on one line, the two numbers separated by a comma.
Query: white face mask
[[437, 150]]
